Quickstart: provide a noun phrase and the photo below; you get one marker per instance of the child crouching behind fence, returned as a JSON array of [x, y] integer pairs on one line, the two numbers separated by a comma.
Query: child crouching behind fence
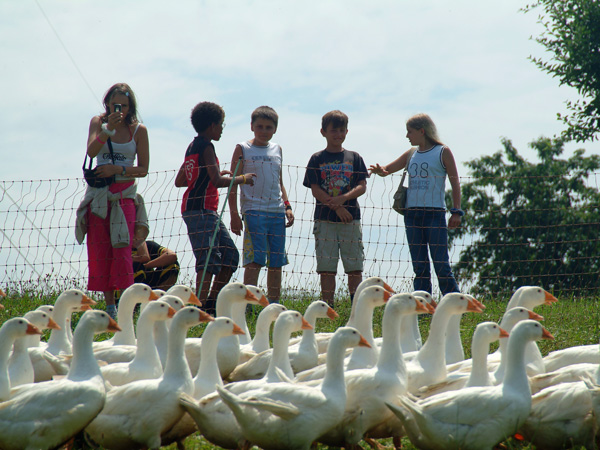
[[201, 174], [337, 177]]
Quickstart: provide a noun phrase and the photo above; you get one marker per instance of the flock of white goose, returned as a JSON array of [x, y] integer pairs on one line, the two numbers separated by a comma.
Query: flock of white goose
[[150, 385]]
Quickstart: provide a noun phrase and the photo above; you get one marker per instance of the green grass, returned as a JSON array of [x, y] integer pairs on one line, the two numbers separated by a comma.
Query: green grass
[[571, 321]]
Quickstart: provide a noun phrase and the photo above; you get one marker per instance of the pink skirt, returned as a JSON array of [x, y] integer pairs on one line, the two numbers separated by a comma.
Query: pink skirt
[[110, 268]]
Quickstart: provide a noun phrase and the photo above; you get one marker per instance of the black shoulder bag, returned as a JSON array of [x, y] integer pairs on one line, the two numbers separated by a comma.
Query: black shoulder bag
[[90, 174]]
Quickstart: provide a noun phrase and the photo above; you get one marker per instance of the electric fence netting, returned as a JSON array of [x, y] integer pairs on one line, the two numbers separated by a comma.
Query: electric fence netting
[[38, 249]]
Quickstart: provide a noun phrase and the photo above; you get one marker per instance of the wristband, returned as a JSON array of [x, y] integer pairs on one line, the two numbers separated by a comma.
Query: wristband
[[100, 140], [458, 211], [243, 179], [123, 173], [107, 131], [288, 206]]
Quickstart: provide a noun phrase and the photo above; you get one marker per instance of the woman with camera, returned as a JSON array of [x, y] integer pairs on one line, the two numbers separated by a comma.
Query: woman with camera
[[108, 213]]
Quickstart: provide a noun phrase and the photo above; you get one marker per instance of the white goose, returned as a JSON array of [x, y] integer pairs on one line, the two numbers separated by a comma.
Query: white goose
[[10, 331], [137, 293], [238, 313], [47, 415], [562, 416], [260, 342], [454, 347], [265, 362], [146, 363], [20, 367], [410, 339], [161, 328], [285, 415], [229, 347], [368, 389], [136, 414], [476, 417], [485, 333], [361, 357], [68, 302], [214, 419], [429, 364], [323, 337], [305, 354], [208, 376]]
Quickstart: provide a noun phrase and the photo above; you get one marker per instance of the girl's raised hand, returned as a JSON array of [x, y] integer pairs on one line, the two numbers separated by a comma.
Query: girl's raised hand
[[378, 170]]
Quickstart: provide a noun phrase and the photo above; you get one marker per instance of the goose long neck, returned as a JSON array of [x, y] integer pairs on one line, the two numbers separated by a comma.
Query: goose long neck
[[479, 351], [280, 357], [516, 376], [390, 355], [261, 335], [333, 383], [84, 364], [146, 347], [434, 348], [363, 321], [125, 318], [238, 314], [6, 343], [308, 336], [177, 366], [208, 370], [58, 338], [161, 340]]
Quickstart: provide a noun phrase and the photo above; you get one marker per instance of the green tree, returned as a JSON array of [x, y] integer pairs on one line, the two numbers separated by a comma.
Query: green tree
[[531, 223], [572, 36]]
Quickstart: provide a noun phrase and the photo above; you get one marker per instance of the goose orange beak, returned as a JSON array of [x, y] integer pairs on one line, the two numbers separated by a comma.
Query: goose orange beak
[[306, 325], [433, 303], [474, 306], [535, 316], [332, 314], [52, 324], [549, 298], [87, 301], [503, 333], [387, 287], [171, 312], [546, 334], [113, 325], [237, 329], [85, 308], [386, 295], [204, 317], [363, 342], [153, 296], [422, 307], [194, 300], [31, 329]]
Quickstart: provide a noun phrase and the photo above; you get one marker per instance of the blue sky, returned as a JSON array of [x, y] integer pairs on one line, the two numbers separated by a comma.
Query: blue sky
[[465, 63]]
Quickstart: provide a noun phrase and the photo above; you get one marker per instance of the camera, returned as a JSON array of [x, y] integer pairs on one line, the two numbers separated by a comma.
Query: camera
[[118, 107]]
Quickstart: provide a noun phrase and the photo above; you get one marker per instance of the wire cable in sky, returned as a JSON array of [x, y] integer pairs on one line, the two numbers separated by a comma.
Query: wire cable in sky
[[67, 51]]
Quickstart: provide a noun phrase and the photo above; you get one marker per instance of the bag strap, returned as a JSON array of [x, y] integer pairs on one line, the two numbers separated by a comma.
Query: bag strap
[[412, 152], [110, 149]]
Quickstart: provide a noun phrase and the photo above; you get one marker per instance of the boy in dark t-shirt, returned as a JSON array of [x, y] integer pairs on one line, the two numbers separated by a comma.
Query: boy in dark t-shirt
[[201, 174], [154, 265], [337, 177]]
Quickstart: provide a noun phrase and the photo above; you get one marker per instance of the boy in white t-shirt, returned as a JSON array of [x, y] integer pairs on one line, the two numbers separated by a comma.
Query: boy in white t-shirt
[[265, 208]]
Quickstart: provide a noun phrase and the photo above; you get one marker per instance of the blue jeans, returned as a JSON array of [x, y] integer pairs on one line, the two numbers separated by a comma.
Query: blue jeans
[[427, 229]]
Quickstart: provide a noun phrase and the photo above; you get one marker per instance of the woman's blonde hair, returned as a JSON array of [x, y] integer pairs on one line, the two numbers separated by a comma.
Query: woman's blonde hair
[[423, 121]]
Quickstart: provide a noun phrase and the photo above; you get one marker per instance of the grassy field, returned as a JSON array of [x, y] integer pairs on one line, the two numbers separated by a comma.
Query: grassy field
[[571, 321]]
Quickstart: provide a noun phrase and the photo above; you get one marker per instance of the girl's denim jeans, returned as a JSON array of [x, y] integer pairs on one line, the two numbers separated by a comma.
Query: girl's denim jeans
[[427, 229]]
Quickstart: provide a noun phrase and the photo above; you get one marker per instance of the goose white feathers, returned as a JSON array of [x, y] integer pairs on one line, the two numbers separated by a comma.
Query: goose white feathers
[[260, 342], [285, 415], [146, 363], [238, 313], [10, 331], [20, 367], [136, 414], [46, 415], [476, 417], [429, 364], [229, 347], [368, 389], [214, 419]]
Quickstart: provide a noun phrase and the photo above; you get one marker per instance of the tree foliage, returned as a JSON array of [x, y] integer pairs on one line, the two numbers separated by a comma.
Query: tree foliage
[[531, 223], [572, 36]]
